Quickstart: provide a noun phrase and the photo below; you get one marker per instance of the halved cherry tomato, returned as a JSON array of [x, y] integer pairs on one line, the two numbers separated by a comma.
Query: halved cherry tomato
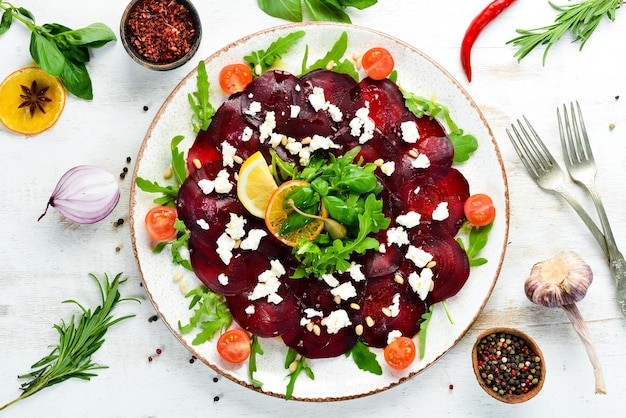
[[479, 210], [160, 223], [377, 63], [234, 345], [235, 77], [400, 353]]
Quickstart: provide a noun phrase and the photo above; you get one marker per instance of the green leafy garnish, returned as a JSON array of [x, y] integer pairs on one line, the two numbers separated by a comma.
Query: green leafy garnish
[[202, 108], [333, 58], [364, 358], [477, 239], [423, 329], [296, 366], [211, 314], [255, 348], [181, 241], [580, 19], [464, 144], [320, 10], [59, 50], [78, 340], [260, 61]]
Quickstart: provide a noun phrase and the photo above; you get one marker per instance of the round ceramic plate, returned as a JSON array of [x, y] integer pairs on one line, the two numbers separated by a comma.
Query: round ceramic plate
[[335, 378]]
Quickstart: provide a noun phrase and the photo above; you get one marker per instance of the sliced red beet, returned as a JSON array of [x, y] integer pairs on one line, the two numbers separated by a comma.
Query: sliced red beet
[[309, 344], [273, 91], [382, 295]]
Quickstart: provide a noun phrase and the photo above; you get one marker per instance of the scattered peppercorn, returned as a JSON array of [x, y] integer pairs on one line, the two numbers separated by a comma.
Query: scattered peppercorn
[[120, 222], [145, 109], [128, 159], [215, 380], [215, 399], [125, 169], [122, 175], [617, 97], [451, 387], [158, 351], [153, 318], [118, 249], [149, 359]]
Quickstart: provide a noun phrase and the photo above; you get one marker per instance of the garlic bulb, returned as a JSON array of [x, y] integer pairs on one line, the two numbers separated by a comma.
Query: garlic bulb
[[560, 282]]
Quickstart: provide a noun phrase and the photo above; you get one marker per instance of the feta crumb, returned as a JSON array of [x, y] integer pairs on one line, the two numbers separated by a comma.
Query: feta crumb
[[423, 283], [225, 246], [277, 268], [228, 152], [297, 87], [321, 142], [295, 111], [345, 291], [268, 126], [393, 335], [382, 249], [222, 183], [253, 109], [207, 186], [335, 113], [317, 99], [304, 322], [275, 139], [441, 213], [388, 168], [250, 309], [293, 146], [246, 134], [312, 313], [398, 236], [421, 161], [410, 133], [235, 228], [394, 308], [418, 256], [267, 286], [223, 279], [202, 223], [355, 272], [330, 280], [409, 220], [253, 239], [337, 320]]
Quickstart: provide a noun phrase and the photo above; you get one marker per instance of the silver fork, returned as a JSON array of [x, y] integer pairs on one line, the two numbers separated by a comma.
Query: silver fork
[[582, 169], [547, 173]]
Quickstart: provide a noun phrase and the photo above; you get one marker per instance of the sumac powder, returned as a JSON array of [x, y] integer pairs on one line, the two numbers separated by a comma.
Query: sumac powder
[[161, 31]]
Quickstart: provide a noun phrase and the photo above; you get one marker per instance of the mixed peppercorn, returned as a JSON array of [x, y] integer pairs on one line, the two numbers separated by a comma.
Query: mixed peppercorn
[[507, 364]]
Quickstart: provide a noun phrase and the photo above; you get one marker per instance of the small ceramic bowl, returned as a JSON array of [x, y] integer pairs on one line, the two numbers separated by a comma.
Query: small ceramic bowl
[[165, 40], [508, 365]]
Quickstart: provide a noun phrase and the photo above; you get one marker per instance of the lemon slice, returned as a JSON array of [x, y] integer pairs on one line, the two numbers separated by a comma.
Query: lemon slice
[[255, 184], [276, 214], [31, 101]]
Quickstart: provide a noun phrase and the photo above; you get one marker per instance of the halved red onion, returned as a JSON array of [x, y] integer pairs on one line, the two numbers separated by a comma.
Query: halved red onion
[[85, 194]]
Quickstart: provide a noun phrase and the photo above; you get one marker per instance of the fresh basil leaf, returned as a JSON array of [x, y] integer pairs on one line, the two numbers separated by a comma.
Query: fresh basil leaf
[[76, 79], [327, 10], [339, 210], [302, 197], [321, 186], [283, 9], [358, 4], [46, 54], [365, 359], [95, 35], [357, 180], [26, 13], [5, 21]]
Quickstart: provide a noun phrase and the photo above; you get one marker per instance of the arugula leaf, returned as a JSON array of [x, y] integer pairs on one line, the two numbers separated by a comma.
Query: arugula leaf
[[477, 239], [283, 9], [364, 358], [335, 55], [296, 367], [423, 328], [260, 61], [179, 165], [255, 348], [202, 108], [211, 314], [464, 144], [170, 193]]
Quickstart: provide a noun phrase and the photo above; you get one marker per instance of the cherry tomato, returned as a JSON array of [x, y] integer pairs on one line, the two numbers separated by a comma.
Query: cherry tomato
[[234, 345], [377, 63], [160, 223], [235, 77], [479, 210], [400, 353]]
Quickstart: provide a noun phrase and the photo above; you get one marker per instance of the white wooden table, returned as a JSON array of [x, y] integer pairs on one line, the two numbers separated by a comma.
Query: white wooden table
[[44, 263]]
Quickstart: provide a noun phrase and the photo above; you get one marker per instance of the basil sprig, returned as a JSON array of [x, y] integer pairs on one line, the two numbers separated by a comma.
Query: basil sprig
[[59, 50], [322, 10]]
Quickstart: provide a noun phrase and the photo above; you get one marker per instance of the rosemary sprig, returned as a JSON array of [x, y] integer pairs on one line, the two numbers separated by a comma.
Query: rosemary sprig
[[71, 357], [580, 19]]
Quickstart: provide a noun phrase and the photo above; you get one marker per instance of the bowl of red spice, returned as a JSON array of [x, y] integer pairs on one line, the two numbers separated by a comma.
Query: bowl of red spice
[[508, 365], [161, 34]]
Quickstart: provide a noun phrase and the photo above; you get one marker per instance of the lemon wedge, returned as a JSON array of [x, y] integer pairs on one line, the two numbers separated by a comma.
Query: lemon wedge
[[255, 184]]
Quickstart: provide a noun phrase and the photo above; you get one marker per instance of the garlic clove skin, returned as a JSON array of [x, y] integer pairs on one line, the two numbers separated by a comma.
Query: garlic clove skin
[[560, 280]]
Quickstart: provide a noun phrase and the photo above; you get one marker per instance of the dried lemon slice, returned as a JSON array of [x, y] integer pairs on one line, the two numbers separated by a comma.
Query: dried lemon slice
[[31, 101], [255, 184]]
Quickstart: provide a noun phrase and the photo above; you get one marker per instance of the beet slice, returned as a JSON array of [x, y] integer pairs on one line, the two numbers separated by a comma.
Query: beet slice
[[274, 92], [310, 345], [379, 297]]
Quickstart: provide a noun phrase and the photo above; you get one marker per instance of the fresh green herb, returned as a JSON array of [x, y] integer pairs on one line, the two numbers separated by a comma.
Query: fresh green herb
[[260, 61], [71, 357], [364, 358], [423, 330], [477, 239], [464, 144], [211, 314], [181, 241], [321, 10], [199, 102], [255, 348], [580, 19], [295, 366], [444, 304], [59, 50], [333, 58]]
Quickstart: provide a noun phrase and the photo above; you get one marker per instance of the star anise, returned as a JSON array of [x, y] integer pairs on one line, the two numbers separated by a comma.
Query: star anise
[[34, 98]]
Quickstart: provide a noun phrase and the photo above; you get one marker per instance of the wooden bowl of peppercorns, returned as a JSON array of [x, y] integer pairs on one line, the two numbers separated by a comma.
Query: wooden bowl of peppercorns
[[508, 365], [161, 34]]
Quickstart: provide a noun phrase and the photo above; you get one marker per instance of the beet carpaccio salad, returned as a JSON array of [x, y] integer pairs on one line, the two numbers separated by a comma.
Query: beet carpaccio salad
[[321, 208]]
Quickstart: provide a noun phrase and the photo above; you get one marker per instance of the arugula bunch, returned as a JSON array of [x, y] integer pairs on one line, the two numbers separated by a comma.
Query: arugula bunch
[[59, 50], [211, 314], [323, 10]]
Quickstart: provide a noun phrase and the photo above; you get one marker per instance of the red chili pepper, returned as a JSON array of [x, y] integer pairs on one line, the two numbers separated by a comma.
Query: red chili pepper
[[487, 15]]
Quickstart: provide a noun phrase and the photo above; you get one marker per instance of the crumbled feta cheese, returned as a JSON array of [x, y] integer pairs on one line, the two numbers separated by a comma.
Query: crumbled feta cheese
[[235, 228], [304, 322], [423, 283], [335, 113], [409, 220], [295, 111], [362, 126], [321, 142], [345, 291], [253, 109], [305, 156], [222, 183], [382, 248], [253, 239], [202, 223], [276, 139], [421, 161], [268, 126], [317, 99], [246, 134], [293, 146], [441, 213], [418, 256], [207, 186], [250, 309], [277, 268], [330, 280], [297, 87], [223, 279], [388, 168], [355, 272], [312, 313], [228, 152], [394, 308], [337, 320], [250, 95], [268, 285], [410, 133], [398, 236], [225, 246], [393, 335]]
